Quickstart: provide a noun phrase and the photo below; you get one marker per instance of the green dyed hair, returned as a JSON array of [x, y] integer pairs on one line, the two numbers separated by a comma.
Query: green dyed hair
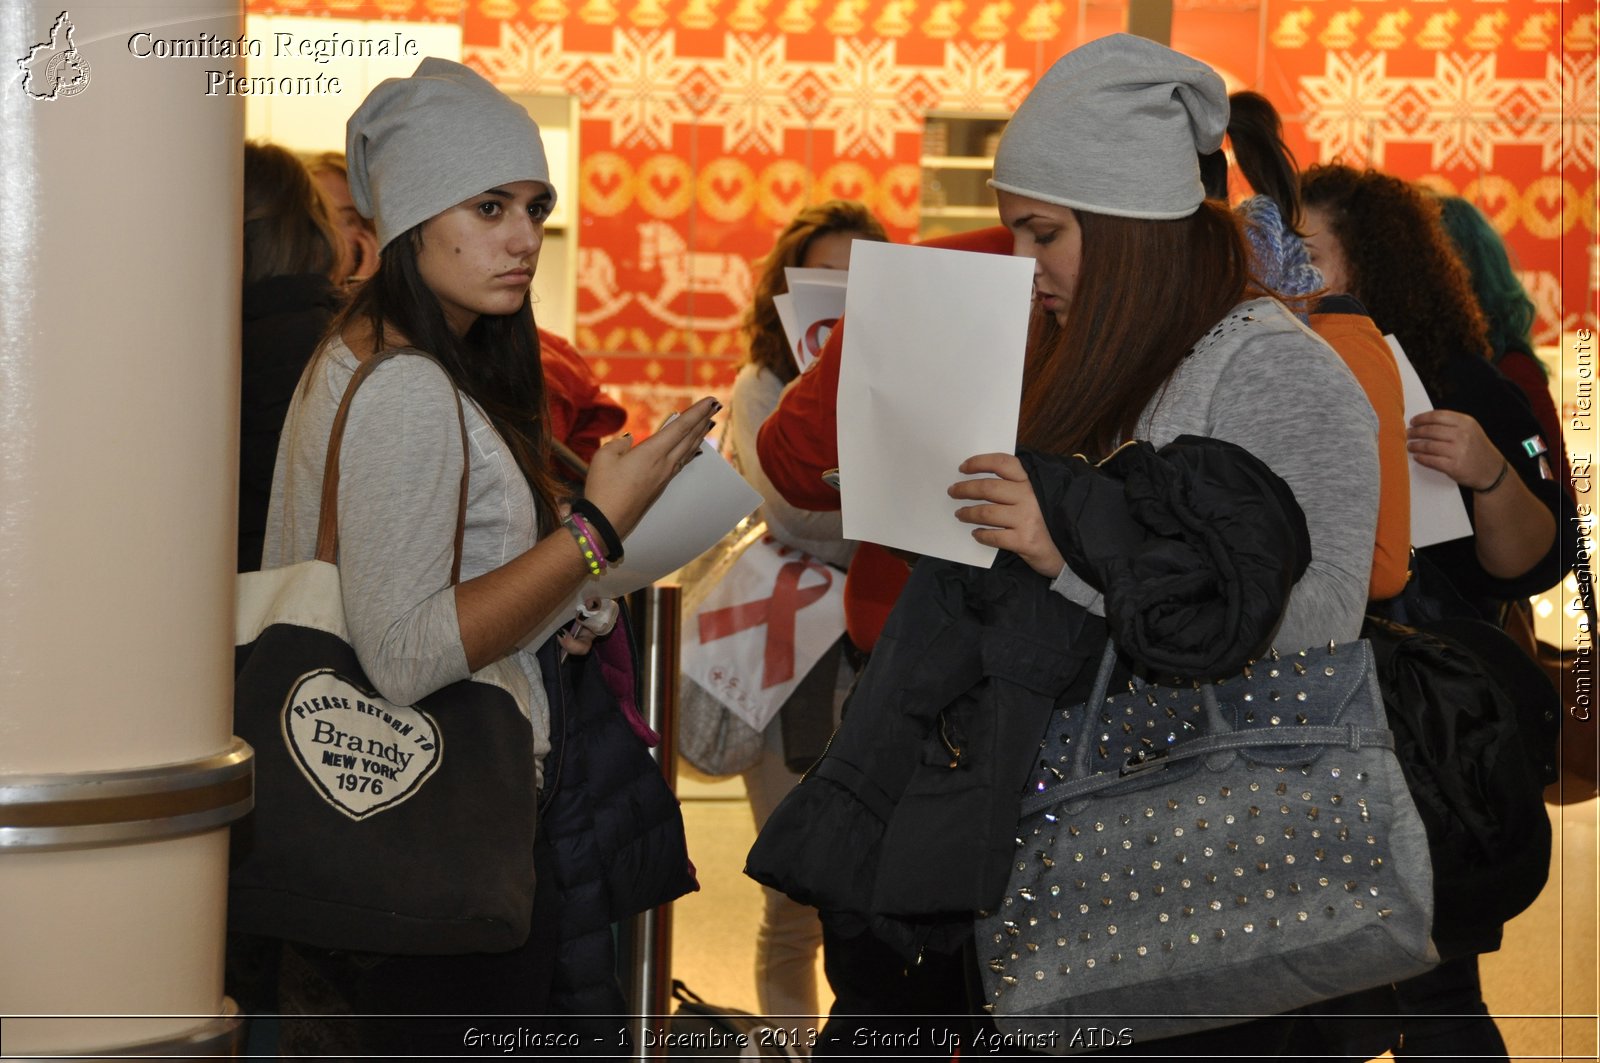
[[1501, 296]]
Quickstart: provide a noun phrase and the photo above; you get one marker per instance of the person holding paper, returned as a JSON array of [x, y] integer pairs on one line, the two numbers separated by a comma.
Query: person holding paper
[[818, 237], [454, 174], [1509, 312], [1381, 239], [1148, 339]]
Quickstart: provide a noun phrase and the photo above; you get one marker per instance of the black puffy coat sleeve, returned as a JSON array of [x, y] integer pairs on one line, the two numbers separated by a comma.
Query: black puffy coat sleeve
[[1195, 547]]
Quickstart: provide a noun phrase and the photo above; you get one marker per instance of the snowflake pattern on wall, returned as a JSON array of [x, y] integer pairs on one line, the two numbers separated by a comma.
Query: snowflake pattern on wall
[[1463, 112], [754, 92]]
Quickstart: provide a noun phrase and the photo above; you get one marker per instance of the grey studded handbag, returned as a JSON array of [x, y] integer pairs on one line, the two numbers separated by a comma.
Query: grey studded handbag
[[1191, 856]]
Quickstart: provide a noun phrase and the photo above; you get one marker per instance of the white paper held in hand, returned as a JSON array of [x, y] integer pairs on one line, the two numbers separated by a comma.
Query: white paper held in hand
[[697, 508], [931, 375], [1437, 513], [816, 299]]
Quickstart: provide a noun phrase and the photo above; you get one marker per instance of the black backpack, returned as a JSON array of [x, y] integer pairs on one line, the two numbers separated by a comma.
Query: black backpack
[[1469, 745]]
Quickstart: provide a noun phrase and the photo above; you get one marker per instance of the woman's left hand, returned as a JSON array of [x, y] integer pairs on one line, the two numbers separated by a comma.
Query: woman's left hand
[[1455, 444], [1010, 515], [596, 618]]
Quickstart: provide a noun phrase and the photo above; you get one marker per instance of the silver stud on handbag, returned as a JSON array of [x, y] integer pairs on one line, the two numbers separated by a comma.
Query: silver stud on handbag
[[1191, 855]]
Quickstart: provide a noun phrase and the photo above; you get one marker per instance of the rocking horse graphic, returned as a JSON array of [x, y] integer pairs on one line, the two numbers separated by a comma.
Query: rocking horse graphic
[[685, 272], [597, 275]]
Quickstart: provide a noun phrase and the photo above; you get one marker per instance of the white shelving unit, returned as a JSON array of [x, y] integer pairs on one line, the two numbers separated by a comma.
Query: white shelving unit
[[957, 158], [555, 283]]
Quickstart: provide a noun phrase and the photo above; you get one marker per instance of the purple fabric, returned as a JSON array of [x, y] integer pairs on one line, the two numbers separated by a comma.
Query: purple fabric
[[616, 668]]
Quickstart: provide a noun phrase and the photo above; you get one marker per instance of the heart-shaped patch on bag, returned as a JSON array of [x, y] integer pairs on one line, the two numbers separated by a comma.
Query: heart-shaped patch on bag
[[362, 753]]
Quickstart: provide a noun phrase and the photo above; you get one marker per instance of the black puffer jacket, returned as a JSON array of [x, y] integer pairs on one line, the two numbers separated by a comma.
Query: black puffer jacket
[[616, 830], [906, 824]]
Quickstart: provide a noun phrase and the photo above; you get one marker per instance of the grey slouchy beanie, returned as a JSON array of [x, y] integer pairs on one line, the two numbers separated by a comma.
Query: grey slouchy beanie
[[1116, 127], [419, 145]]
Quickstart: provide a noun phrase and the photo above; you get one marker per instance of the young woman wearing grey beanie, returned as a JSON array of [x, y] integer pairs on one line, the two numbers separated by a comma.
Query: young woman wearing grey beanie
[[1147, 327], [1152, 328], [454, 175]]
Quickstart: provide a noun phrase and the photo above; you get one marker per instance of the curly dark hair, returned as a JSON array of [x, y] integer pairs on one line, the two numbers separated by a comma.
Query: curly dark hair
[[769, 349], [1401, 266]]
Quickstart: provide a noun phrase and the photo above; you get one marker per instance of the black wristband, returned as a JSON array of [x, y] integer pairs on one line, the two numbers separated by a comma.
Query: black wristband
[[1505, 467], [602, 527]]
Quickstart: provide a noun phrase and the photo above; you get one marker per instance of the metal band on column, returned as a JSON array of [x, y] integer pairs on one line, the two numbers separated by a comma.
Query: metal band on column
[[79, 810]]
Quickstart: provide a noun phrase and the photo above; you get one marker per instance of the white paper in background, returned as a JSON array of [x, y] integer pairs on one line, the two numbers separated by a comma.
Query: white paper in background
[[931, 375], [817, 296], [1437, 513], [697, 508], [784, 305]]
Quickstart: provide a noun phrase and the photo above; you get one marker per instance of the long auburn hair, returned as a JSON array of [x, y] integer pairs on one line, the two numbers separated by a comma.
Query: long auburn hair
[[768, 347], [1402, 266], [1147, 292], [496, 364]]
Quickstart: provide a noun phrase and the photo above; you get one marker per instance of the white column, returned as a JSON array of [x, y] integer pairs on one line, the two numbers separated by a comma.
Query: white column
[[119, 321]]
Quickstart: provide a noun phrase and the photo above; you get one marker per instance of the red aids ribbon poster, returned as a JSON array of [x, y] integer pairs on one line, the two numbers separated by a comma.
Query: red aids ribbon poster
[[757, 634]]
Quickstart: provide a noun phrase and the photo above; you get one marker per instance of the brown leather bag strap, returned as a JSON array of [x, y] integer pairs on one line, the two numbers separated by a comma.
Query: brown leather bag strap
[[328, 514]]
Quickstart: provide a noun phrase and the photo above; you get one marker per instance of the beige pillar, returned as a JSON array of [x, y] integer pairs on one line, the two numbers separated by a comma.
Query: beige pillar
[[119, 317]]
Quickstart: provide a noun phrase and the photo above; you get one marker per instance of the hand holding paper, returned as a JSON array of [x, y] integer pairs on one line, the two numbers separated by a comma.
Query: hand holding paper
[[1437, 512], [1011, 518], [625, 478], [931, 375], [1454, 443], [697, 508]]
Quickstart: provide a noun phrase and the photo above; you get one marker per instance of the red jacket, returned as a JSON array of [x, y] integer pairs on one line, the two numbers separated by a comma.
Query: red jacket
[[800, 441], [581, 415]]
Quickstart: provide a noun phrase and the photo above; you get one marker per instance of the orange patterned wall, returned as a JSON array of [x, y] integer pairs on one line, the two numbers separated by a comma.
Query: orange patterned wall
[[706, 123]]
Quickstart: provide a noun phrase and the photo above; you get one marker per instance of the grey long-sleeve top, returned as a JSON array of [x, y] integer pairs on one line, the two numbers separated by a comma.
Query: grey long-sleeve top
[[1264, 381], [399, 485], [756, 392]]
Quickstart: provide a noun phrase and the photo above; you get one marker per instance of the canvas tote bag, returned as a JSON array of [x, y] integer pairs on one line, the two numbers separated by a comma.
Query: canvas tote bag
[[377, 827]]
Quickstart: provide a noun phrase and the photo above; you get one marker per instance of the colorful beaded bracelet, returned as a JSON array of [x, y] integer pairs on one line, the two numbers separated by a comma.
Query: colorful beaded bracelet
[[592, 556]]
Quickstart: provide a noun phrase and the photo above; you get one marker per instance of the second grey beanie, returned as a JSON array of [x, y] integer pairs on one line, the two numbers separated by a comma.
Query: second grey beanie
[[419, 145], [1116, 127]]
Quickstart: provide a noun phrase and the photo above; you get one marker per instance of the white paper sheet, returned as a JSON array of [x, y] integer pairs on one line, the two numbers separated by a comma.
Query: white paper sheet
[[784, 305], [1437, 513], [931, 375], [697, 508], [817, 299]]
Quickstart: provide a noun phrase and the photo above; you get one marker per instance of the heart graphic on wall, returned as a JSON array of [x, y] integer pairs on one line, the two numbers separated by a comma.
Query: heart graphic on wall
[[848, 180], [727, 189], [665, 186], [781, 190], [607, 183], [362, 754]]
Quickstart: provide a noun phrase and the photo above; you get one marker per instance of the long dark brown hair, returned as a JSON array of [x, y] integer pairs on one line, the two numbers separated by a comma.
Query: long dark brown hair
[[496, 363], [1147, 291], [768, 347], [1402, 266], [1263, 155]]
